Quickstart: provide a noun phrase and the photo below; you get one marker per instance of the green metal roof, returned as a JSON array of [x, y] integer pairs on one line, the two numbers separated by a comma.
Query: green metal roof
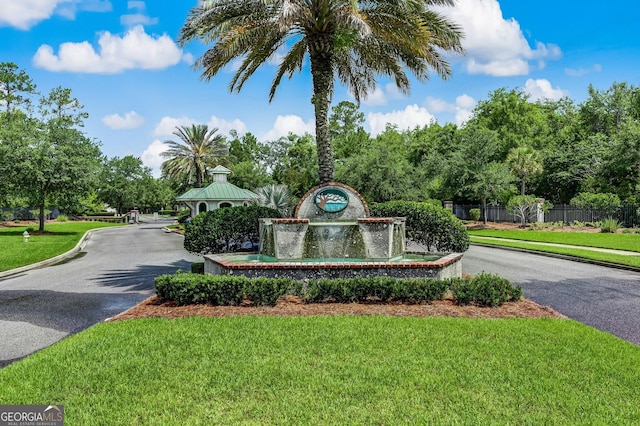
[[217, 191]]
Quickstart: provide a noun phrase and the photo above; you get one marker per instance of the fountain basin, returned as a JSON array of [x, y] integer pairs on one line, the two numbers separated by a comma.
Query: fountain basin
[[408, 265]]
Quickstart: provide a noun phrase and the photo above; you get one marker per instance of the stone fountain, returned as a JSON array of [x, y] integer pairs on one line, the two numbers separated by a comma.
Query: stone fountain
[[333, 235]]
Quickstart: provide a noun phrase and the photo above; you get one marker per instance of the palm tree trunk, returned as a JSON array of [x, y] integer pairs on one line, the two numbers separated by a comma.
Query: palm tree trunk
[[322, 74]]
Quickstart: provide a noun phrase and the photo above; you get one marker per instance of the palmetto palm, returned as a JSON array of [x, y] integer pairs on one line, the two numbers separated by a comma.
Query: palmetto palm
[[199, 150], [276, 197], [524, 162], [355, 41]]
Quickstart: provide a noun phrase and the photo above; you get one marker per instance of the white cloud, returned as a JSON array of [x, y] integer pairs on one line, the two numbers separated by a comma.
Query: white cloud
[[131, 20], [579, 72], [541, 89], [23, 14], [69, 8], [494, 45], [377, 97], [152, 156], [167, 125], [137, 5], [463, 107], [136, 49], [131, 120], [439, 105], [224, 126], [286, 124], [409, 118]]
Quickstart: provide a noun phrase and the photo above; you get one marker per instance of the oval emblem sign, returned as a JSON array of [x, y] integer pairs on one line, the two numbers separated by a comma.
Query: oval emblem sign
[[332, 200]]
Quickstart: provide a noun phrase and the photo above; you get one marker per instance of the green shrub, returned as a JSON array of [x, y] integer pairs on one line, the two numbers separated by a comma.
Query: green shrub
[[197, 267], [474, 214], [607, 203], [62, 218], [427, 224], [190, 288], [485, 290], [225, 230], [609, 225], [627, 231]]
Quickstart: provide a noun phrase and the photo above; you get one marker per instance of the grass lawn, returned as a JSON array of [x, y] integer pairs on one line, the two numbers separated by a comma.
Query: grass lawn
[[629, 242], [58, 238], [334, 370]]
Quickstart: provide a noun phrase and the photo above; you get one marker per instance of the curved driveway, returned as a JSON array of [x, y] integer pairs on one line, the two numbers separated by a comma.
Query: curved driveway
[[114, 271], [605, 298]]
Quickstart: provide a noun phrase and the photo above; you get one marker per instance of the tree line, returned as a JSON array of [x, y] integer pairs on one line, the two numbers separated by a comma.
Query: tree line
[[558, 150]]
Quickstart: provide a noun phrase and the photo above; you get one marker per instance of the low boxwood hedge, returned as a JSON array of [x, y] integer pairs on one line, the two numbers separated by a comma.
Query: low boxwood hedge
[[190, 288]]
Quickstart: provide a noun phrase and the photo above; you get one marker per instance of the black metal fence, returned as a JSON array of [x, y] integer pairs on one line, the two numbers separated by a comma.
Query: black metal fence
[[627, 215]]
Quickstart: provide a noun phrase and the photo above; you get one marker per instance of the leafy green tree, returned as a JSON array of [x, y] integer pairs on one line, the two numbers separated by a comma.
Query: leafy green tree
[[248, 161], [348, 136], [598, 205], [524, 162], [354, 41], [294, 163], [61, 163], [382, 172], [493, 181], [17, 126], [515, 119], [121, 181], [198, 151], [466, 167], [606, 111], [17, 89]]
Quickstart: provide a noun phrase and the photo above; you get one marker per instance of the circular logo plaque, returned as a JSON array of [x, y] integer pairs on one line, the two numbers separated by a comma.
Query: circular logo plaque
[[331, 200]]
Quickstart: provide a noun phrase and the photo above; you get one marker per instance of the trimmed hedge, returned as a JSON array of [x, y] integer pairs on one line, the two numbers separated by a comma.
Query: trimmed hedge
[[189, 288], [427, 224]]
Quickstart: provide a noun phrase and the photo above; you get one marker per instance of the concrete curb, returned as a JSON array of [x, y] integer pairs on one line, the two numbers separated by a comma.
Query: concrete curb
[[562, 256], [57, 259]]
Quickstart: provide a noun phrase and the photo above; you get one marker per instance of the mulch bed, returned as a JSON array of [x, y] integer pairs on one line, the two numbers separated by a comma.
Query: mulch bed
[[153, 307]]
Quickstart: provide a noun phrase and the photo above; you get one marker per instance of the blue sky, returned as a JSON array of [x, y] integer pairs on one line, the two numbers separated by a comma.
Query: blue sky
[[120, 60]]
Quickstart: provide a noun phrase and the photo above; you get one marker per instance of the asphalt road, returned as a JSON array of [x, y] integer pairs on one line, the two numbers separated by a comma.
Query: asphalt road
[[605, 298], [114, 271], [116, 268]]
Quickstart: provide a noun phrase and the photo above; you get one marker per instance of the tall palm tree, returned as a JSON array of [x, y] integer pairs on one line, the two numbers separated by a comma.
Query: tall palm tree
[[524, 162], [352, 39], [198, 150]]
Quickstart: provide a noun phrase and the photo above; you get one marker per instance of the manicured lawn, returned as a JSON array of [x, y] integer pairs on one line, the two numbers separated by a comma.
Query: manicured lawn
[[59, 238], [629, 242], [334, 370], [585, 254]]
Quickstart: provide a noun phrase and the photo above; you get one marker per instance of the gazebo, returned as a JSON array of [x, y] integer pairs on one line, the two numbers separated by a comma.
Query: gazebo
[[218, 195]]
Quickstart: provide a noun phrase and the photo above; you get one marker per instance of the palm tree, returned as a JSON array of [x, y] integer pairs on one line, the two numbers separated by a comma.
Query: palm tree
[[524, 162], [199, 150], [276, 197], [351, 39]]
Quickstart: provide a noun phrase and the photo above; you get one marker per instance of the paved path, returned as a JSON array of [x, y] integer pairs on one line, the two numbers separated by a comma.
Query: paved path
[[113, 272], [605, 298]]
